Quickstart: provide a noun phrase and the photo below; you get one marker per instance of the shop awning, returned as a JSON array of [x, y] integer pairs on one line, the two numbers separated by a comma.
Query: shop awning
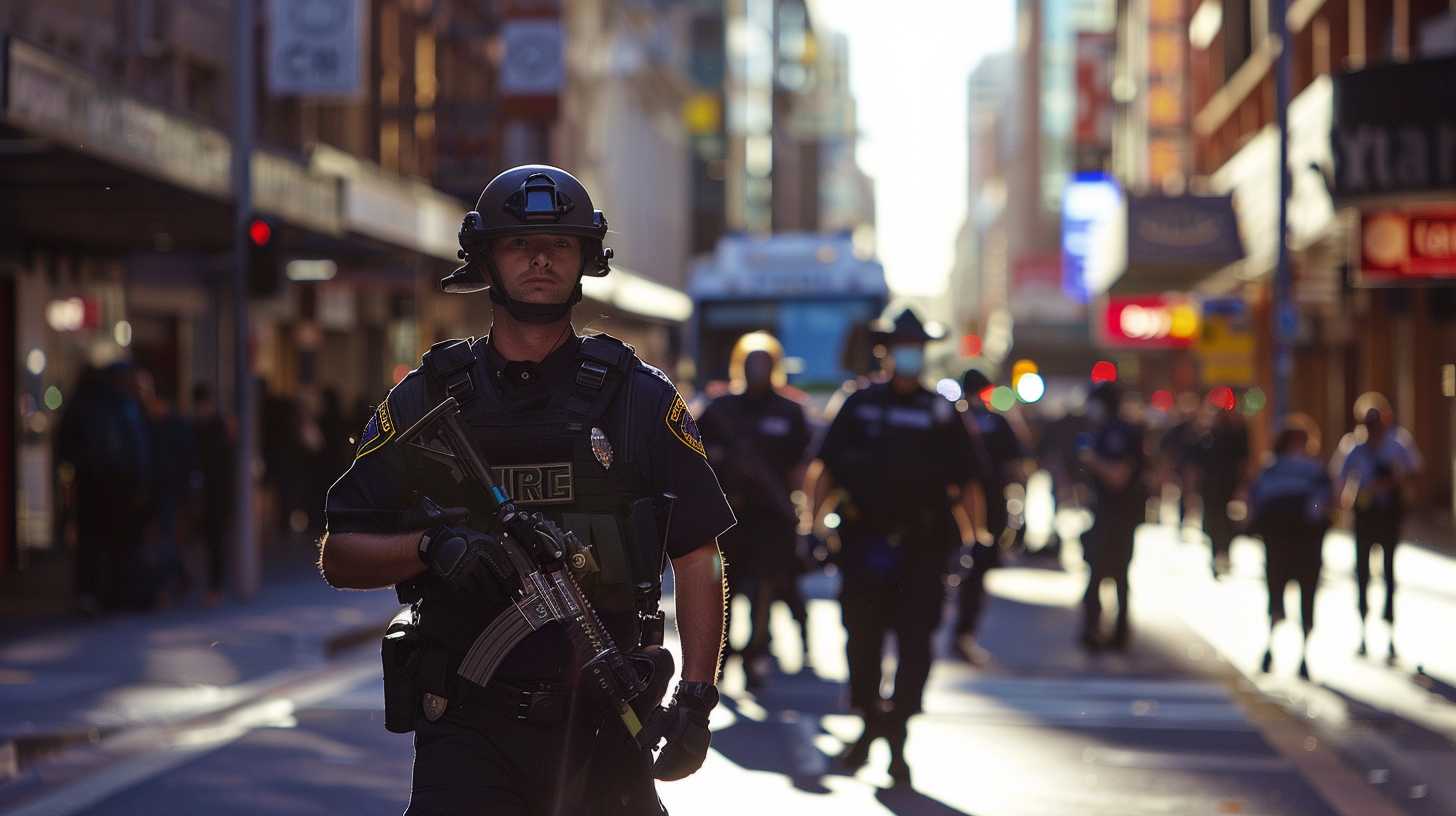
[[1174, 242], [48, 98]]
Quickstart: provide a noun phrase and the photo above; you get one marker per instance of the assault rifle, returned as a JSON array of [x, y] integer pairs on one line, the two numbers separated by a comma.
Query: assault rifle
[[541, 562]]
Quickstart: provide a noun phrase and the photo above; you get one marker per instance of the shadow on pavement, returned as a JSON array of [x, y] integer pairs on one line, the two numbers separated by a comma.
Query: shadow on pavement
[[908, 802]]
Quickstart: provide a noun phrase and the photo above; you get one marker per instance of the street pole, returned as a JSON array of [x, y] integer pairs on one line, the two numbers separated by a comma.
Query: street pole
[[245, 557], [1283, 314]]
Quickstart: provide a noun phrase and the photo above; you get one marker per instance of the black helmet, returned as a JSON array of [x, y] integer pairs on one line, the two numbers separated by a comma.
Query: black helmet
[[531, 198]]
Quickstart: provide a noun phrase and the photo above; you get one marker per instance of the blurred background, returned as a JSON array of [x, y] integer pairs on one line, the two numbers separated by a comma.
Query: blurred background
[[1079, 190]]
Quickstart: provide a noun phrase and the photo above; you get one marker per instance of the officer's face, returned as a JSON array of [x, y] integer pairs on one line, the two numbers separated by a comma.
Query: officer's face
[[539, 268]]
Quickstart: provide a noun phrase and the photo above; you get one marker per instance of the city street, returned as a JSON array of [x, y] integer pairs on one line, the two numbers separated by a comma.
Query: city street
[[1179, 725]]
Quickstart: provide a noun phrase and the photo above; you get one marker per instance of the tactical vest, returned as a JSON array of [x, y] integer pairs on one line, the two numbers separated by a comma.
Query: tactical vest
[[542, 453]]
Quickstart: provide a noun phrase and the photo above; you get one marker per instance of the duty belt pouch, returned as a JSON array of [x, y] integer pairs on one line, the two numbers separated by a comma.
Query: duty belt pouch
[[400, 653]]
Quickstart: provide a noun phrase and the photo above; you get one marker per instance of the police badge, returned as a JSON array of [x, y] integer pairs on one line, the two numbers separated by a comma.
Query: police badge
[[601, 448]]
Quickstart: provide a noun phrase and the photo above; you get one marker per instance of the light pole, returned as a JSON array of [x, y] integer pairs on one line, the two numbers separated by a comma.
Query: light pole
[[1283, 314], [245, 557]]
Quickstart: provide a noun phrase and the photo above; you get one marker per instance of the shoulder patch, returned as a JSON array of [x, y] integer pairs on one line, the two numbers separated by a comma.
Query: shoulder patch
[[377, 433], [682, 425]]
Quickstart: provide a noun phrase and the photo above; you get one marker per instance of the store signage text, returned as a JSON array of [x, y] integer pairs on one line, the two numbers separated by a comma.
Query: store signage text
[[1407, 245], [1394, 128]]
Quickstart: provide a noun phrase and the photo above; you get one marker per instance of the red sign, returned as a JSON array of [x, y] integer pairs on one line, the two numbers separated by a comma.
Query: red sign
[[1149, 322], [1416, 245]]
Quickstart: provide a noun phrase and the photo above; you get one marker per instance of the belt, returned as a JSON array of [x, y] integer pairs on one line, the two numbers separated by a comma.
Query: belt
[[543, 702]]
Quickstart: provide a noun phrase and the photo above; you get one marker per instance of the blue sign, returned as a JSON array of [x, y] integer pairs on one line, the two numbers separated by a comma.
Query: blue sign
[[1088, 201]]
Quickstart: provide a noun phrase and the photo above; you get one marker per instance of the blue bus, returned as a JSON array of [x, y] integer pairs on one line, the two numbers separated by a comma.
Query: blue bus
[[810, 291]]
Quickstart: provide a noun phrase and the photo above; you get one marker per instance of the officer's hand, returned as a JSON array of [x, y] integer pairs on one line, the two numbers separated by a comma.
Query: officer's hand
[[457, 555], [686, 731]]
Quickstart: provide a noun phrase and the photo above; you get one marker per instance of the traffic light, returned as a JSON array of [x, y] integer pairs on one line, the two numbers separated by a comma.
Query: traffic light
[[265, 273]]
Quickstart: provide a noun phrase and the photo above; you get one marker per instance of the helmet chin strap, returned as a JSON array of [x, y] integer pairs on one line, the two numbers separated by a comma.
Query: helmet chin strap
[[531, 312]]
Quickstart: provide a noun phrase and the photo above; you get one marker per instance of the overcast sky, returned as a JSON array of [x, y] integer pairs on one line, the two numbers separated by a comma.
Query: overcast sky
[[909, 60]]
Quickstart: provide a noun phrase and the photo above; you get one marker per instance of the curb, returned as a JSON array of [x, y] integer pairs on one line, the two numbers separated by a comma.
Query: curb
[[20, 753]]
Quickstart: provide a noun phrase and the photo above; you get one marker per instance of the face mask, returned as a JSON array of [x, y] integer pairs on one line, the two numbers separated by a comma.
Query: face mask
[[909, 360]]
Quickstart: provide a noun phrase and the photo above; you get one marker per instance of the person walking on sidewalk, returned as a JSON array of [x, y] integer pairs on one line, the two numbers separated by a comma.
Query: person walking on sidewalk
[[1220, 458], [1114, 459], [215, 440], [1375, 467], [582, 431], [1289, 507], [898, 450], [1001, 458], [756, 440]]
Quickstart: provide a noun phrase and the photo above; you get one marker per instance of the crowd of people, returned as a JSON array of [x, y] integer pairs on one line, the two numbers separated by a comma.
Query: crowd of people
[[147, 491], [914, 495]]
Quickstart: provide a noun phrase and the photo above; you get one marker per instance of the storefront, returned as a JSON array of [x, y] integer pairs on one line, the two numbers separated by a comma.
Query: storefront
[[1373, 183]]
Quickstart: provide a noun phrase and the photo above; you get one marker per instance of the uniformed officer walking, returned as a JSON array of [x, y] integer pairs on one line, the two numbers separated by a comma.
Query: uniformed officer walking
[[1114, 459], [1289, 507], [1002, 460], [902, 455], [756, 440], [1375, 468], [580, 430]]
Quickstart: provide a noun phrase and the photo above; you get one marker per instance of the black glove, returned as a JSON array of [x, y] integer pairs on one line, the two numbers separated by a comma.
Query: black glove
[[458, 556], [686, 731]]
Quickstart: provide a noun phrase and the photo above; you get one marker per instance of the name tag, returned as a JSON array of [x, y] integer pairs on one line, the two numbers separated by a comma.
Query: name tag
[[774, 426], [549, 483], [908, 418]]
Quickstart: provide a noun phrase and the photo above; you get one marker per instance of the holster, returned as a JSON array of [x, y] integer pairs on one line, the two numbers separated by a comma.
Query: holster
[[401, 652]]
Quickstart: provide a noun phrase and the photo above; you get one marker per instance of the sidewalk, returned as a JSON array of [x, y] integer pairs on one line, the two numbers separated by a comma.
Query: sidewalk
[[73, 681]]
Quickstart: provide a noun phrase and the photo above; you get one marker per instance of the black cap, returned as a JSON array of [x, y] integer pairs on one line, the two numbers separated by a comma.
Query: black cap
[[974, 381]]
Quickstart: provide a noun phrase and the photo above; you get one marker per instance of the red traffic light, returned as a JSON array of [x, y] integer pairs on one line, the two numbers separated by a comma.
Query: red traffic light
[[259, 232], [1104, 371]]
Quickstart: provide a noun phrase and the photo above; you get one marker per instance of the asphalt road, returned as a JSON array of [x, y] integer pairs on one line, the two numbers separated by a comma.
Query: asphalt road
[[1182, 724]]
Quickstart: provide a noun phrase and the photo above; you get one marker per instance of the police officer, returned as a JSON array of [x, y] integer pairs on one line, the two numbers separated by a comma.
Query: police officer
[[756, 439], [1375, 469], [582, 431], [1289, 507], [1002, 459], [1114, 460], [899, 451]]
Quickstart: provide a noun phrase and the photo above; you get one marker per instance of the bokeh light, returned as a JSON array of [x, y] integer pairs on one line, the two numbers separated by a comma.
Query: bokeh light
[[52, 398], [949, 388], [1222, 398], [1253, 402], [1104, 371], [1030, 388], [1003, 398], [1162, 400]]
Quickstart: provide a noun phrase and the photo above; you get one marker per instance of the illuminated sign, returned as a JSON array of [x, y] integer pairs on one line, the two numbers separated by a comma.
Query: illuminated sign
[[1149, 321], [1090, 201], [1400, 246]]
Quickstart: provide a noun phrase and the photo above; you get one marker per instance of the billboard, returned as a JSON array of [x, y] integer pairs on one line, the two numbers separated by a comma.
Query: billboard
[[1091, 202]]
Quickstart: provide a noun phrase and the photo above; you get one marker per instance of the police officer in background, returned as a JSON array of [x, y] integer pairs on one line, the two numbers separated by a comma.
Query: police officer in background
[[756, 440], [1114, 460], [903, 456], [1002, 459], [1375, 468], [582, 431]]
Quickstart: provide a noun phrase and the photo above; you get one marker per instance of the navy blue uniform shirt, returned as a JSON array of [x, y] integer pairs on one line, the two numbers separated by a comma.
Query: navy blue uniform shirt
[[663, 443]]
